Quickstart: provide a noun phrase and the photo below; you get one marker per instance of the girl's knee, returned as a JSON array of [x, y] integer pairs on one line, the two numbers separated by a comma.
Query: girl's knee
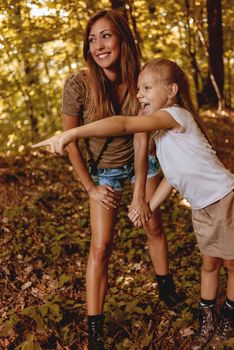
[[229, 264], [212, 265]]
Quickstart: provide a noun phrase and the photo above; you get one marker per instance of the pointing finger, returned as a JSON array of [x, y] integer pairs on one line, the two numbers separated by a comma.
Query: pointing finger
[[41, 144]]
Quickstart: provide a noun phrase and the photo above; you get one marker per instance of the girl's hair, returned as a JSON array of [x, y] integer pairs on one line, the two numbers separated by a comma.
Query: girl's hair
[[170, 73], [100, 100]]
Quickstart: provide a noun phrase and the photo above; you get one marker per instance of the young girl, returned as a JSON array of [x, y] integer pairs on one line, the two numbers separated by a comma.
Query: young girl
[[191, 166]]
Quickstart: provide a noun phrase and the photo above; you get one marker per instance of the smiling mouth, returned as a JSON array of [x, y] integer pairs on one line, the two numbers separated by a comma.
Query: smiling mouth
[[103, 56], [144, 105]]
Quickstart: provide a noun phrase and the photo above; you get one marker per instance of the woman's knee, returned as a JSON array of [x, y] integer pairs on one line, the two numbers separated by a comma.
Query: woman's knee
[[100, 253], [154, 230]]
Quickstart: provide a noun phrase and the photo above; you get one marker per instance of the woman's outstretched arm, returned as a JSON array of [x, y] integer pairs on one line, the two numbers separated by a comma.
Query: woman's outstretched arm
[[112, 126]]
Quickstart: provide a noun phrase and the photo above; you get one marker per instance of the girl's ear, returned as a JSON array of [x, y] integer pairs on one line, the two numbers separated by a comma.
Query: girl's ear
[[173, 90]]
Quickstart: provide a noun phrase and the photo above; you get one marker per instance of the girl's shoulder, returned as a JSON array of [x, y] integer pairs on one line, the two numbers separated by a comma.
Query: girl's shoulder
[[181, 115]]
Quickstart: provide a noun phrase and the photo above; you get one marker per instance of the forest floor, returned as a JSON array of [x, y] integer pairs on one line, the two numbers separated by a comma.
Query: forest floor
[[44, 240]]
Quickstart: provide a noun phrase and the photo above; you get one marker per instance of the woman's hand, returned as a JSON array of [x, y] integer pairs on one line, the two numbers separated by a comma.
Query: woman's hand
[[57, 143], [139, 212], [106, 196]]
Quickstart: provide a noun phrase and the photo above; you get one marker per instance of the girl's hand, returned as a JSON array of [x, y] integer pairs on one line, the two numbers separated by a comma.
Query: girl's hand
[[142, 208], [57, 142], [134, 216], [106, 196]]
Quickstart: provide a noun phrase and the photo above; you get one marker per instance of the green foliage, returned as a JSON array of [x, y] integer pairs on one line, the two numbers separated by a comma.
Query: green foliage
[[44, 246], [29, 344], [41, 44]]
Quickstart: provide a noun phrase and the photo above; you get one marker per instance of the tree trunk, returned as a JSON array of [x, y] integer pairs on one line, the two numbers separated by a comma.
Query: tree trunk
[[192, 50], [215, 48], [126, 6], [119, 5], [30, 78]]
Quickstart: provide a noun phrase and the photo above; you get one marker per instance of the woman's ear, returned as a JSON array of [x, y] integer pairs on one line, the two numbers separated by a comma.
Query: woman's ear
[[173, 90]]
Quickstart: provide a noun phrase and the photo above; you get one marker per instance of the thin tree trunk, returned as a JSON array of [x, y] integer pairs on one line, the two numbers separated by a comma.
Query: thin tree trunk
[[126, 6], [215, 47], [191, 49], [120, 5]]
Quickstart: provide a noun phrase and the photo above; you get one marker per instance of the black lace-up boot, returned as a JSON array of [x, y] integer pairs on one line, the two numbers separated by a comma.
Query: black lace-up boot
[[208, 325], [225, 328], [95, 338], [167, 291]]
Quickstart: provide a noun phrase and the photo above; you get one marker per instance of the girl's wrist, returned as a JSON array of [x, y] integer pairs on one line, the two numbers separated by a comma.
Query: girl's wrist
[[74, 134]]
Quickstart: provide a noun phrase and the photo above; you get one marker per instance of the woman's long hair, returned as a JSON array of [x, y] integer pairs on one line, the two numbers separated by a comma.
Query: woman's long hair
[[170, 73], [100, 99]]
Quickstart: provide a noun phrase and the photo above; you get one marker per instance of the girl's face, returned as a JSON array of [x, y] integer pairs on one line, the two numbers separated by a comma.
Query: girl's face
[[152, 94], [104, 44]]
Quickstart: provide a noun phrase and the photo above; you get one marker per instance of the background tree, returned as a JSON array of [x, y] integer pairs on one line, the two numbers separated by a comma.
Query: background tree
[[214, 15], [41, 44]]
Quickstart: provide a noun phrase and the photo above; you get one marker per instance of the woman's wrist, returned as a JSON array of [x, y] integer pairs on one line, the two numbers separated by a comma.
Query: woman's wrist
[[89, 187], [139, 193]]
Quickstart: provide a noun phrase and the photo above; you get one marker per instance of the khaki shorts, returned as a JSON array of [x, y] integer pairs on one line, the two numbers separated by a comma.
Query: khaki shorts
[[214, 228]]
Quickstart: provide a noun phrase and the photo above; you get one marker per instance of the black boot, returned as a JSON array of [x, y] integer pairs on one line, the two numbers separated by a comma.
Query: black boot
[[95, 339], [208, 325], [167, 290], [225, 328]]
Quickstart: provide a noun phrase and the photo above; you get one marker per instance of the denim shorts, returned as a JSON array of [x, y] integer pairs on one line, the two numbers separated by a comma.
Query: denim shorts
[[116, 177]]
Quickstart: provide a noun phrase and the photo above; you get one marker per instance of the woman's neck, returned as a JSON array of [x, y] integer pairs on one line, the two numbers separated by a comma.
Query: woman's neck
[[113, 75]]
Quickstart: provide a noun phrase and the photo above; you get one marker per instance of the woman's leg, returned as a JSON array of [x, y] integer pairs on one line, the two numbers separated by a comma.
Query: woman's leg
[[102, 224], [158, 248]]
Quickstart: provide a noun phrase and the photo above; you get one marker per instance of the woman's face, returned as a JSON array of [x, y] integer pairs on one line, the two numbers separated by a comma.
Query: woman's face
[[104, 44]]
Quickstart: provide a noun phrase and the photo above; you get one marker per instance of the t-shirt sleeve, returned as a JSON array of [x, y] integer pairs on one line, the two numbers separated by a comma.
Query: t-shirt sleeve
[[178, 114], [73, 97]]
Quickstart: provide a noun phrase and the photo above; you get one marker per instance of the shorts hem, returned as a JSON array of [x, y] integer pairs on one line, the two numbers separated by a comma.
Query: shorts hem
[[218, 255]]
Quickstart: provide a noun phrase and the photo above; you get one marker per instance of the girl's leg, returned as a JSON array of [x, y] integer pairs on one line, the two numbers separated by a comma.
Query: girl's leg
[[230, 283], [225, 328], [209, 286], [210, 277], [102, 223]]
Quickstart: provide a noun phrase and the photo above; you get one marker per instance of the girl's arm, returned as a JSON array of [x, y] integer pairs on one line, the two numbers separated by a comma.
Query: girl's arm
[[112, 126], [161, 193]]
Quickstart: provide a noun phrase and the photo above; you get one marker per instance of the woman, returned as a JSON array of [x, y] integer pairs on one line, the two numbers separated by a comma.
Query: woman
[[108, 87]]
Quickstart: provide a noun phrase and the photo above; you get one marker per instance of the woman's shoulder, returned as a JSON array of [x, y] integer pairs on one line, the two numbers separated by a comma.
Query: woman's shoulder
[[75, 93], [77, 79]]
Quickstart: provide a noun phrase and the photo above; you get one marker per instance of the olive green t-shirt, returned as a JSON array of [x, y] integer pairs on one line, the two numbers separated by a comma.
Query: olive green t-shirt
[[119, 150]]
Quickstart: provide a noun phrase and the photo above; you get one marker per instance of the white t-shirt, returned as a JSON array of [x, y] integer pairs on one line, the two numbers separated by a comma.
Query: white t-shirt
[[189, 163]]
